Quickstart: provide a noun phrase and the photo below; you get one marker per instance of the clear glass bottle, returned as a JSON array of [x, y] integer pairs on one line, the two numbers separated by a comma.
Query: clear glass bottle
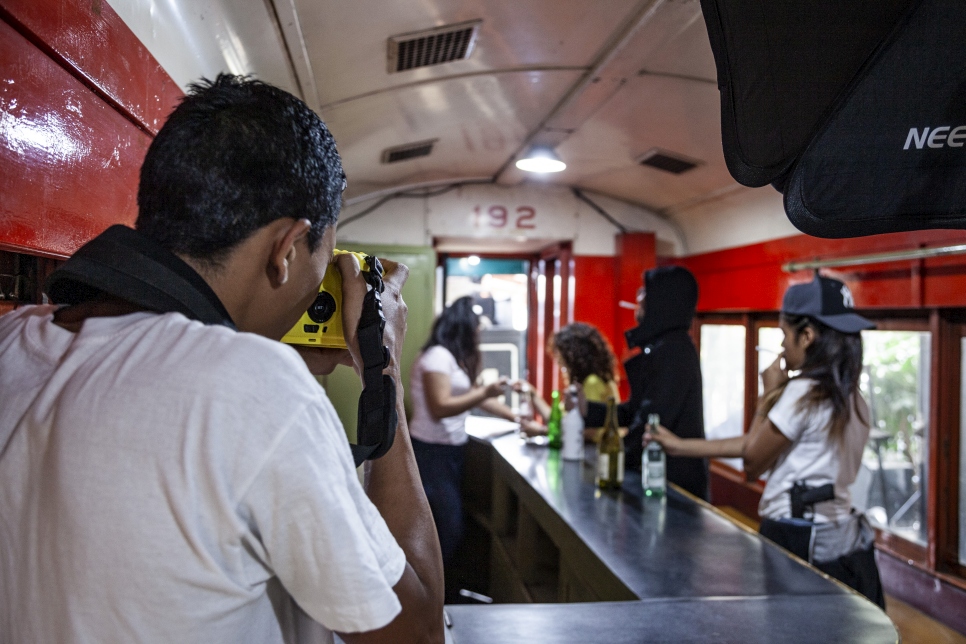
[[554, 435], [654, 467], [610, 452]]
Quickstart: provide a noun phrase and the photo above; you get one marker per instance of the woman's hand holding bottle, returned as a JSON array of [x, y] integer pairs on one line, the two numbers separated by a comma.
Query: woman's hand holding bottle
[[663, 437]]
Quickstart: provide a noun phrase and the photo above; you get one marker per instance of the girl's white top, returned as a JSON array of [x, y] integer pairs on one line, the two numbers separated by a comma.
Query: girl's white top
[[813, 457], [424, 426]]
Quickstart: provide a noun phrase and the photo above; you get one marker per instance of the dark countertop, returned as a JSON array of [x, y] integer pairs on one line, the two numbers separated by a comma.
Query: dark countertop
[[672, 546], [782, 619], [700, 576]]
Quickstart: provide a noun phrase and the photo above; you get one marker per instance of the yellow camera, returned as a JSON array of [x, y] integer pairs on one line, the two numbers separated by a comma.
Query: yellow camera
[[321, 325]]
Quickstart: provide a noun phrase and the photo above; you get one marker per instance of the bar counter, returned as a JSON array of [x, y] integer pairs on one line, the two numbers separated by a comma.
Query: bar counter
[[579, 564]]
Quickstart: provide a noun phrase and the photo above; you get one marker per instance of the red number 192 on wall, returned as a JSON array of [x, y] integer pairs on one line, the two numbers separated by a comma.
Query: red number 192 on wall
[[499, 217]]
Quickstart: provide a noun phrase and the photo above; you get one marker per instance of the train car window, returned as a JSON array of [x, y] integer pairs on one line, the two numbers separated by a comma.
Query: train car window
[[723, 381], [892, 484]]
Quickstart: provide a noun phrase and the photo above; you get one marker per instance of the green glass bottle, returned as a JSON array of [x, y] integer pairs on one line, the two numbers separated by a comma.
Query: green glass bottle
[[554, 433], [610, 452]]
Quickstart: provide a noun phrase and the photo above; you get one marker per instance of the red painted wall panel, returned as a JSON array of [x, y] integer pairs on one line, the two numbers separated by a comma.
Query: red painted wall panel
[[636, 253], [89, 39], [601, 281], [595, 291], [69, 160], [595, 295], [750, 278]]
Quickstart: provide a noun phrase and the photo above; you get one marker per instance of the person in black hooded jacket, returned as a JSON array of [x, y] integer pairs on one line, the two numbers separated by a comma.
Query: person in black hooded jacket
[[665, 377]]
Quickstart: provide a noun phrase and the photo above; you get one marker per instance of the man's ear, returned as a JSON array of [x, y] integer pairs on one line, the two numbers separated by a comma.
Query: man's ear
[[284, 249]]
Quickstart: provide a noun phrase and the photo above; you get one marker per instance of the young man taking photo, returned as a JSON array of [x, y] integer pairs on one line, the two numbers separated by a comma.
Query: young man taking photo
[[169, 471]]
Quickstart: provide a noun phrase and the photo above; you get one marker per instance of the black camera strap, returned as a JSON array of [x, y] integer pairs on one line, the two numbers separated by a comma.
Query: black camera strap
[[377, 406], [127, 264]]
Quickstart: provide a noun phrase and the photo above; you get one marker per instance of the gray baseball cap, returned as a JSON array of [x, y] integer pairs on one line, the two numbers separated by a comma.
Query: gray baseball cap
[[827, 300]]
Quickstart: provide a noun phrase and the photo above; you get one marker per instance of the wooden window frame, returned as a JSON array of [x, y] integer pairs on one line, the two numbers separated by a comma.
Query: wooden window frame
[[950, 328], [893, 544]]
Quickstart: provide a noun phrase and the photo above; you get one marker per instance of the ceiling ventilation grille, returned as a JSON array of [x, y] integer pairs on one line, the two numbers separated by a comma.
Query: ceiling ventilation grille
[[667, 161], [408, 151], [433, 46]]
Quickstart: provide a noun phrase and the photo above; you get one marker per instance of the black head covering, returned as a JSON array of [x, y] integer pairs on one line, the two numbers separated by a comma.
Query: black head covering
[[827, 300], [672, 295]]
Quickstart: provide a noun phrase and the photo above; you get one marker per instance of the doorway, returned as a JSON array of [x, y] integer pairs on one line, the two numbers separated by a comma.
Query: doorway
[[522, 299]]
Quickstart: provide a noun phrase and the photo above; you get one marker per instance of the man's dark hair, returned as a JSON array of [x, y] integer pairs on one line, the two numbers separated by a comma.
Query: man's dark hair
[[234, 156]]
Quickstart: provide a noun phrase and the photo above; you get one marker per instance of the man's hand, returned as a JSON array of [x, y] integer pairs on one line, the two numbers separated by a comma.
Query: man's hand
[[393, 308], [323, 361]]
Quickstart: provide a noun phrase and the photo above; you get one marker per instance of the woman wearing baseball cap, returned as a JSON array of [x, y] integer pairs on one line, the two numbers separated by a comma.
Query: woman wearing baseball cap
[[809, 430]]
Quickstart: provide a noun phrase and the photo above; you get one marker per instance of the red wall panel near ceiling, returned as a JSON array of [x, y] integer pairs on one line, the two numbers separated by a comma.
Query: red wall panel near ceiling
[[595, 291], [750, 278], [70, 161], [600, 282], [636, 253], [595, 296], [90, 40]]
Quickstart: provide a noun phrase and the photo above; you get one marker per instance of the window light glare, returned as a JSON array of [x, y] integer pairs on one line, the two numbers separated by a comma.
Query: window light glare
[[473, 260]]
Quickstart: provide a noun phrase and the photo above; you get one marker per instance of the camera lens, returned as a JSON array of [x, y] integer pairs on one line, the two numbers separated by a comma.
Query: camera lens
[[322, 308]]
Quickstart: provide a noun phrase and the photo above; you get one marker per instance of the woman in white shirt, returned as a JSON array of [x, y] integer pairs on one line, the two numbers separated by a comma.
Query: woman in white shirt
[[443, 393], [809, 431]]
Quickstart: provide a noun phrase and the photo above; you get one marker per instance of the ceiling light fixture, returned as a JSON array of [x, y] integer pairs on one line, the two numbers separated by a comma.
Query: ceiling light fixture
[[541, 159]]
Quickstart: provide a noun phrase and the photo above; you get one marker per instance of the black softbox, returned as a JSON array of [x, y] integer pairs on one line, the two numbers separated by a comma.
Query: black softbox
[[855, 109]]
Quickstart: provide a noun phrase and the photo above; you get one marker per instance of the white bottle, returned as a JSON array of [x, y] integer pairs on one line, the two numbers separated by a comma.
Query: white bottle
[[572, 428], [654, 467]]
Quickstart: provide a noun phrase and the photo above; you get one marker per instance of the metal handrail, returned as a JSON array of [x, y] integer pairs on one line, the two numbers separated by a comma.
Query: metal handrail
[[876, 258]]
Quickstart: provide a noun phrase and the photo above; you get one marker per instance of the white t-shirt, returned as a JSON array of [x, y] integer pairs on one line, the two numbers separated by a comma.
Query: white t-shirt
[[162, 481], [448, 431], [813, 457]]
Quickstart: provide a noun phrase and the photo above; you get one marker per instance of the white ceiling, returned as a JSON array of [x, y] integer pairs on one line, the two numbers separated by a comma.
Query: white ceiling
[[602, 80]]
